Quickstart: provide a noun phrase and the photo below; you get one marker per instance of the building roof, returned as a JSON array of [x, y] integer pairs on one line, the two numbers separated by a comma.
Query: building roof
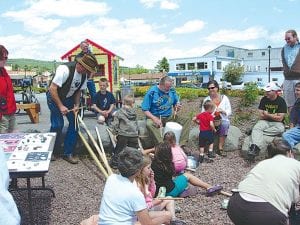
[[143, 76], [70, 52]]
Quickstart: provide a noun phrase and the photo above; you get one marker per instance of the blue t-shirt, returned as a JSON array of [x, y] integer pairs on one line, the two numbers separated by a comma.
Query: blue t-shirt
[[103, 101], [159, 103]]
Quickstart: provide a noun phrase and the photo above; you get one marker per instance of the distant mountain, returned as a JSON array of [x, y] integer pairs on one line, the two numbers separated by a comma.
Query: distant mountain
[[30, 64]]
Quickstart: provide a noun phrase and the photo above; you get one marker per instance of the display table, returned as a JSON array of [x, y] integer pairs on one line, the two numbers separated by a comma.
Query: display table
[[28, 156]]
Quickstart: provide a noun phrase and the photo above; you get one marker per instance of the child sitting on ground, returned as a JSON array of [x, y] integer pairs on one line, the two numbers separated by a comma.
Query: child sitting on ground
[[157, 208], [179, 157], [207, 130], [125, 126], [165, 175]]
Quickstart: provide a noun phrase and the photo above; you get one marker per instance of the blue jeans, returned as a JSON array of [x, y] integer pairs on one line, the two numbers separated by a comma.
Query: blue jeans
[[92, 88], [292, 136], [57, 124]]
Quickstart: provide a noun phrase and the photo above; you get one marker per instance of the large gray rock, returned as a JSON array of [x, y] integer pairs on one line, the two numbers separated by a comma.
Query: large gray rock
[[263, 151], [231, 142]]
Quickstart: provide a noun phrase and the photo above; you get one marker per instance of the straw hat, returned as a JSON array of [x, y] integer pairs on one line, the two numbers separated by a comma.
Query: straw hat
[[89, 62]]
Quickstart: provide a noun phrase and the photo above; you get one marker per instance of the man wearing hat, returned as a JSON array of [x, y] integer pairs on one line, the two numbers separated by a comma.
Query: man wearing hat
[[272, 109], [63, 98]]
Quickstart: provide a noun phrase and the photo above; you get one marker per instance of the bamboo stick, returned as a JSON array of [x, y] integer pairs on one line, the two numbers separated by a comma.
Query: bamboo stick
[[109, 170], [103, 152], [88, 147], [171, 198]]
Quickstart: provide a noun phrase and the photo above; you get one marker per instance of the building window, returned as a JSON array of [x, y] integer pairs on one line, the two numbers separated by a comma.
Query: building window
[[201, 65], [191, 66], [263, 53], [217, 52], [230, 53], [250, 54], [219, 65], [180, 66]]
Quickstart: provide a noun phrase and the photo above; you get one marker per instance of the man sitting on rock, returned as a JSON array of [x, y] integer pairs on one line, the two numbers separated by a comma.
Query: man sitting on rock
[[292, 136], [272, 109], [158, 105]]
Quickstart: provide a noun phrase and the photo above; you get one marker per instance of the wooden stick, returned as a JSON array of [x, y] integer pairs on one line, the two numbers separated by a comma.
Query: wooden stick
[[171, 198], [112, 137], [88, 147], [70, 110], [225, 193], [102, 151], [109, 170]]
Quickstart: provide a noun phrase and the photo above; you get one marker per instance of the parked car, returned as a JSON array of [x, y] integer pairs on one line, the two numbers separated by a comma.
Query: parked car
[[225, 85], [237, 85]]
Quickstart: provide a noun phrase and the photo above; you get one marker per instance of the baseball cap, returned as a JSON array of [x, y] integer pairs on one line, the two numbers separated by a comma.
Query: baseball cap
[[272, 86]]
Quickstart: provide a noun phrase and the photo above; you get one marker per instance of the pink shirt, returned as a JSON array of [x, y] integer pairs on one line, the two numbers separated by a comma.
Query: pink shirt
[[179, 159]]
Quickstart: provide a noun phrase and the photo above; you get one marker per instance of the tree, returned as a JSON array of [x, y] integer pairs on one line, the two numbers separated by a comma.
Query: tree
[[162, 65], [233, 72]]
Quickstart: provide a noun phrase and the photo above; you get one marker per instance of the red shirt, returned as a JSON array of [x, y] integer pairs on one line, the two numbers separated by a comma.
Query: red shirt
[[204, 119], [7, 92]]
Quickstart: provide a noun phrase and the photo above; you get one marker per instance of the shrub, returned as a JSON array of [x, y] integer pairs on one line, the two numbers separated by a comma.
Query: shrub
[[249, 95]]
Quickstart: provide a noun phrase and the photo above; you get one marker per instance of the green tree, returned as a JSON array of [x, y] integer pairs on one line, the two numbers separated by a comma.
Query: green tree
[[162, 65], [233, 72]]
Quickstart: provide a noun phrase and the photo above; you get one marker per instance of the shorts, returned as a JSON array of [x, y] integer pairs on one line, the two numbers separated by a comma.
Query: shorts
[[206, 137], [181, 183], [223, 129]]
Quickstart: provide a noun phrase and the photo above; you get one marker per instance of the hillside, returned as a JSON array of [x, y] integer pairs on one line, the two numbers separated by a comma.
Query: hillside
[[30, 64]]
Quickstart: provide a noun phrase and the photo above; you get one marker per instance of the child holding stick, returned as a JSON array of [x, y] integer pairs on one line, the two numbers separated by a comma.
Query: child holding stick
[[157, 208]]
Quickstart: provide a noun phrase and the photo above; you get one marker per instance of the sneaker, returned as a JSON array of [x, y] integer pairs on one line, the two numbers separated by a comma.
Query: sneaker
[[253, 152], [222, 153], [70, 159], [213, 190], [177, 222], [201, 158], [211, 154]]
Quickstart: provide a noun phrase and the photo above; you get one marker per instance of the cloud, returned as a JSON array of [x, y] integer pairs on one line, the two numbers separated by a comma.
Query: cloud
[[163, 4], [276, 9], [37, 18], [189, 27], [232, 35]]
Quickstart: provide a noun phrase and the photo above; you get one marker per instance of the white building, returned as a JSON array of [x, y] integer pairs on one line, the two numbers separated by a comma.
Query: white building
[[212, 64]]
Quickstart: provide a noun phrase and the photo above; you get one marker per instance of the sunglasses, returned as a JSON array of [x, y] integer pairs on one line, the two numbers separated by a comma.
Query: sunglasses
[[210, 88], [288, 39]]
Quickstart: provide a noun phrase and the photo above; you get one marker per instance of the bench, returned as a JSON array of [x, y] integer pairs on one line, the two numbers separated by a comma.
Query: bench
[[32, 109]]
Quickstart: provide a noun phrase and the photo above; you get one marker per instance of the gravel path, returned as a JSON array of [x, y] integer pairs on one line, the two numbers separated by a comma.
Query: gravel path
[[78, 188]]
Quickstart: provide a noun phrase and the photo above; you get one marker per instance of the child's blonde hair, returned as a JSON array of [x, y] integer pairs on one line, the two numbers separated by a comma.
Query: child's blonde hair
[[128, 100], [170, 138], [140, 179], [208, 104]]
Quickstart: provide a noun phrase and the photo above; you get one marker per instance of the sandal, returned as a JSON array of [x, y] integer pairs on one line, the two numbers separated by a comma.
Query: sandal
[[222, 153]]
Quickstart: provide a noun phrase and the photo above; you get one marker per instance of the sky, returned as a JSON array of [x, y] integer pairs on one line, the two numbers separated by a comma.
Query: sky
[[143, 31]]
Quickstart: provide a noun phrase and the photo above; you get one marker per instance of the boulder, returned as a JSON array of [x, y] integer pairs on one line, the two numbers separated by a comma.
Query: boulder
[[231, 142], [263, 151]]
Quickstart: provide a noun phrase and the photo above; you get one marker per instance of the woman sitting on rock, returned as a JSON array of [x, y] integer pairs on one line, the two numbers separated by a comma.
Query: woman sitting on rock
[[222, 109]]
